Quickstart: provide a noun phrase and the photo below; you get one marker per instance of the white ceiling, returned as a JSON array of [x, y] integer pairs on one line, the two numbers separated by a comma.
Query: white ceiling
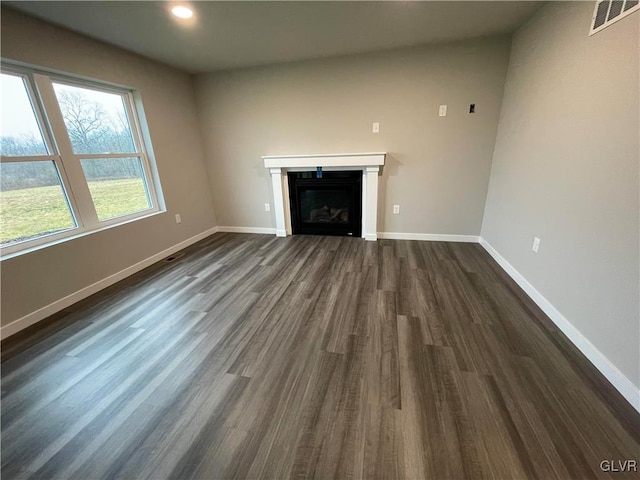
[[225, 35]]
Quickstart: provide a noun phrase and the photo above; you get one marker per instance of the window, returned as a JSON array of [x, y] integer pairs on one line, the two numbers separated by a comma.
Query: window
[[72, 159]]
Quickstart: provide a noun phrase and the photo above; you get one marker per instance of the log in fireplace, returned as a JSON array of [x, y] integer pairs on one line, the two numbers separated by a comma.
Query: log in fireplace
[[326, 202]]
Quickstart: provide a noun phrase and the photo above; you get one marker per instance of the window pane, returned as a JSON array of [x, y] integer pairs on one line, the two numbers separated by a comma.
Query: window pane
[[32, 202], [20, 132], [96, 121], [117, 186]]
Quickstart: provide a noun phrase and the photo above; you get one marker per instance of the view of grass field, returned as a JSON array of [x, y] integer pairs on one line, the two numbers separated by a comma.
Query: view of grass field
[[32, 212]]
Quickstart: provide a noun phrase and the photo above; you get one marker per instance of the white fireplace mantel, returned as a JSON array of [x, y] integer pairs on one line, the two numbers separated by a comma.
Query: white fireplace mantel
[[369, 163]]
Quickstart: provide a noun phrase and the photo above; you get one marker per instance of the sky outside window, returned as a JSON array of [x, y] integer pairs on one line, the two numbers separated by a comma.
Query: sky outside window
[[20, 134]]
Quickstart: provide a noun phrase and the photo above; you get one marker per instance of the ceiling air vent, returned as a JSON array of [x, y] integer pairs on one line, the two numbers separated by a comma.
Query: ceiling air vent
[[610, 11]]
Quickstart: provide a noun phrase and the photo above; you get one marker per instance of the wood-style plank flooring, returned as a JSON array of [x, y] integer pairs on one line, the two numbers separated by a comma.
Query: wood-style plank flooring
[[309, 357]]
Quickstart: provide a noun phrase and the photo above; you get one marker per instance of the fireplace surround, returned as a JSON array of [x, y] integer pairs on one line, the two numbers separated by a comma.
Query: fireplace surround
[[368, 163]]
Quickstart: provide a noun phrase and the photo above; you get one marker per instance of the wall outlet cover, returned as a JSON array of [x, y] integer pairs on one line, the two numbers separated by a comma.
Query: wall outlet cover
[[536, 244]]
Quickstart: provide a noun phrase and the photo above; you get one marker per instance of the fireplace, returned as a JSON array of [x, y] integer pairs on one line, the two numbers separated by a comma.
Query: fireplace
[[368, 166], [326, 203]]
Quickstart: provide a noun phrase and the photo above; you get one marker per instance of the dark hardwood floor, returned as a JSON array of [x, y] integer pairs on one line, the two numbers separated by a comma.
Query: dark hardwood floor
[[309, 357]]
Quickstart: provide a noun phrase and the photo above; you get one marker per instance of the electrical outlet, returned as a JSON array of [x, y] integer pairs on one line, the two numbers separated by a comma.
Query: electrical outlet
[[443, 111], [396, 209], [376, 127], [267, 207], [178, 218], [536, 244]]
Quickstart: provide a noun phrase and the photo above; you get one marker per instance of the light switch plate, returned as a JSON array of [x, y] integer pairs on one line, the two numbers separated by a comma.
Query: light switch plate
[[376, 127], [443, 111]]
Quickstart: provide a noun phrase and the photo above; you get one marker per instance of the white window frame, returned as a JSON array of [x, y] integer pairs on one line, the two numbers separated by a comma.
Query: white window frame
[[39, 86]]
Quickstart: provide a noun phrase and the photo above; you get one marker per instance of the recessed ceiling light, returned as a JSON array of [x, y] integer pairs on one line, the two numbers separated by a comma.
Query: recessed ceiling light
[[182, 12]]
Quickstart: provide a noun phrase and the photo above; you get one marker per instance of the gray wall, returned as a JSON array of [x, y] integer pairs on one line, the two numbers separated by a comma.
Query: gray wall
[[437, 168], [565, 169], [34, 280]]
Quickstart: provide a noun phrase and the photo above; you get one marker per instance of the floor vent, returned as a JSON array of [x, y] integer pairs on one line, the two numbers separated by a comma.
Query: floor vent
[[607, 12], [174, 257]]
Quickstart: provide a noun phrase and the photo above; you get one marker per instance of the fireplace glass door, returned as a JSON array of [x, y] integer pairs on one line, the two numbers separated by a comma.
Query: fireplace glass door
[[329, 205]]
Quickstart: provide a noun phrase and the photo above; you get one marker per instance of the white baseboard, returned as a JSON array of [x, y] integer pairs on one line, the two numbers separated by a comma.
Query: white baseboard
[[625, 386], [434, 237], [46, 311], [429, 237], [261, 230]]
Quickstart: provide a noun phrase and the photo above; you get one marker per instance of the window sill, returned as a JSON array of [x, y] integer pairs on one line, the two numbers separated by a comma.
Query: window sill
[[58, 241]]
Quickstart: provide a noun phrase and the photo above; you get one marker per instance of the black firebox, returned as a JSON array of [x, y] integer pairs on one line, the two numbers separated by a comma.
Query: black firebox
[[326, 202]]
